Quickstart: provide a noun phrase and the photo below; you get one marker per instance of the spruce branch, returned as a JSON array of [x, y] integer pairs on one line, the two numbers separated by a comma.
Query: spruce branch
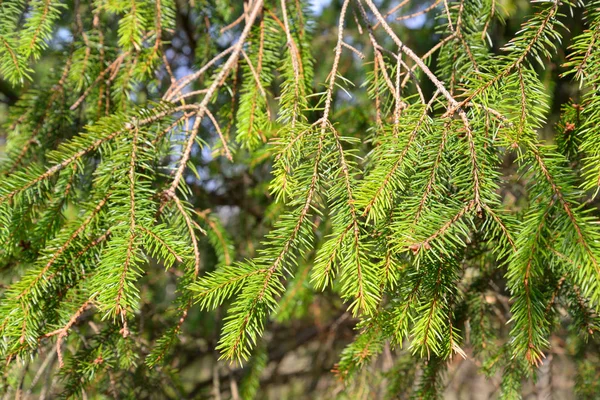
[[520, 48], [225, 70], [64, 331], [398, 172]]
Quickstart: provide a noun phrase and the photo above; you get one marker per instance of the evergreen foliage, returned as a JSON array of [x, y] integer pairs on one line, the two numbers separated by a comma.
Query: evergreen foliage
[[434, 199]]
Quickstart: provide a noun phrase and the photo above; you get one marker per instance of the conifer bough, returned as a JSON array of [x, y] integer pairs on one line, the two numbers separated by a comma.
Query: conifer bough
[[433, 198]]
